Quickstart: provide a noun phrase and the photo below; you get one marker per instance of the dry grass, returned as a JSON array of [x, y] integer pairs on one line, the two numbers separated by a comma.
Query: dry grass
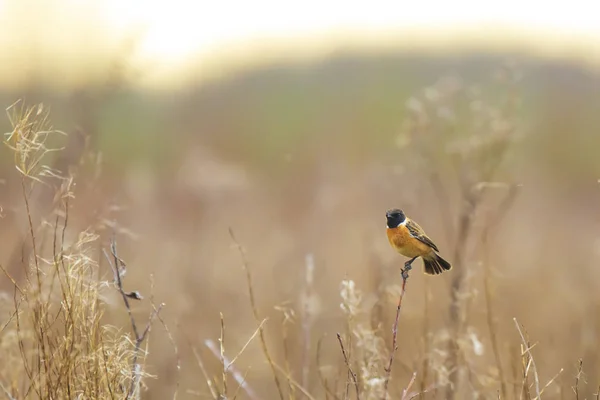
[[69, 323], [54, 342]]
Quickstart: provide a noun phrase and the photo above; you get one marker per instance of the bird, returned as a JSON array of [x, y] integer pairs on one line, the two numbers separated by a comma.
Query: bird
[[410, 240]]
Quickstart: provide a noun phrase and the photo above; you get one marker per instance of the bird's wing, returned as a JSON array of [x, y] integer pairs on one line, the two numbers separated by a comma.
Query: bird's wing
[[417, 232]]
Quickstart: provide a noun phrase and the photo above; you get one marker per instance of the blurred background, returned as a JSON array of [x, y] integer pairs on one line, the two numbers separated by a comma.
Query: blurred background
[[297, 125]]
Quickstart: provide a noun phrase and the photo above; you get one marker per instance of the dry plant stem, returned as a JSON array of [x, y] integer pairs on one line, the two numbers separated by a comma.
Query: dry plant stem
[[139, 337], [222, 356], [173, 343], [388, 370], [577, 377], [349, 333], [263, 341], [286, 356], [31, 230], [406, 395], [245, 346], [410, 383], [12, 280], [209, 382], [59, 258], [527, 350], [239, 378], [350, 371], [237, 391], [428, 389], [550, 382], [42, 340], [298, 386], [515, 360]]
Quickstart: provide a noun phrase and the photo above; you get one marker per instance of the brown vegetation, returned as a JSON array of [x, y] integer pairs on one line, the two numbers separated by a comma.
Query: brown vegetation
[[286, 288]]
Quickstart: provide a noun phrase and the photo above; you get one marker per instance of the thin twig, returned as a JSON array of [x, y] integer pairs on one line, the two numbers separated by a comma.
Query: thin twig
[[528, 348], [235, 394], [347, 361], [246, 344], [171, 340], [239, 378], [577, 378], [115, 265], [550, 382], [222, 356], [388, 370], [209, 382], [298, 386], [11, 279], [117, 275], [428, 389], [286, 354], [410, 383]]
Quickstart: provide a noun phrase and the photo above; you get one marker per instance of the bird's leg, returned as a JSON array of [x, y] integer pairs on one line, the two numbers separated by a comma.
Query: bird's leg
[[407, 267]]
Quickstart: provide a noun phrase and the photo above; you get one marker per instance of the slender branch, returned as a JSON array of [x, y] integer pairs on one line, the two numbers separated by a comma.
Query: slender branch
[[116, 264], [388, 369], [234, 359], [350, 371], [171, 340], [410, 383]]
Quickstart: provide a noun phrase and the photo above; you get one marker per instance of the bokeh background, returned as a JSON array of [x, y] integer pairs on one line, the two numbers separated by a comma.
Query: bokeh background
[[297, 127]]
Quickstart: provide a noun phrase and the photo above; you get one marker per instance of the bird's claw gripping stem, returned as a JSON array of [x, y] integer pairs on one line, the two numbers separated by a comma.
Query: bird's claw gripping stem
[[407, 268]]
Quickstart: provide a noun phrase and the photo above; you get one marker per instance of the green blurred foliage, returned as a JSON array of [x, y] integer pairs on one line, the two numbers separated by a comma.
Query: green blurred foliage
[[350, 106]]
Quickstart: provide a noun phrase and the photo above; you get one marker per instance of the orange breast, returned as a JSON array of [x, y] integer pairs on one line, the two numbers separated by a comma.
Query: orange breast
[[405, 244]]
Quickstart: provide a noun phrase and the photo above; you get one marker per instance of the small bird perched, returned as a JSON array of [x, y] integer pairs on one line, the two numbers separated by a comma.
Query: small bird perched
[[409, 239]]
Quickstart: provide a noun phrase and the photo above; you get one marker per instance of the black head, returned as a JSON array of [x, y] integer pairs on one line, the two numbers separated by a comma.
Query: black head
[[395, 217]]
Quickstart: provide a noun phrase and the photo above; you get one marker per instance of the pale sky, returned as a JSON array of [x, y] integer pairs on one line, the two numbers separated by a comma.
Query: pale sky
[[66, 33], [180, 27]]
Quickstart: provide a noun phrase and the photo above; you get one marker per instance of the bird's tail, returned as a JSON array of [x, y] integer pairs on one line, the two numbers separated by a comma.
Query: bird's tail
[[434, 264]]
